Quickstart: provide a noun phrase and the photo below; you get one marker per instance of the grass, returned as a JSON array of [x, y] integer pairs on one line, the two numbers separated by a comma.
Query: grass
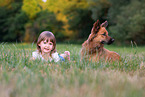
[[22, 77]]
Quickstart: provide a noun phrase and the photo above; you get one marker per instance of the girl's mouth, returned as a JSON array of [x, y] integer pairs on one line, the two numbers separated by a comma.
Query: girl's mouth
[[46, 48]]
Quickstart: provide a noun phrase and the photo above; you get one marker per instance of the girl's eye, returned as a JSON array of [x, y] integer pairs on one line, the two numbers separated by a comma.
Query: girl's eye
[[44, 42], [50, 43]]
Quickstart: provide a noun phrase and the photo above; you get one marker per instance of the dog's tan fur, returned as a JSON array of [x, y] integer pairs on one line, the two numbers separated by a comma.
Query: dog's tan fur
[[93, 48]]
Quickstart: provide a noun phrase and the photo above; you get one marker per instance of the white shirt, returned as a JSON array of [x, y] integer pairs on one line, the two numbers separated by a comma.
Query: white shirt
[[37, 55]]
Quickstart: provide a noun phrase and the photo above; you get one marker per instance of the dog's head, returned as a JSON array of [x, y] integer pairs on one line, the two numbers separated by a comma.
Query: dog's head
[[99, 34]]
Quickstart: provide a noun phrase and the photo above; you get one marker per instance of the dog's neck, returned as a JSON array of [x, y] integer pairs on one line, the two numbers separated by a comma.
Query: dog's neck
[[93, 48]]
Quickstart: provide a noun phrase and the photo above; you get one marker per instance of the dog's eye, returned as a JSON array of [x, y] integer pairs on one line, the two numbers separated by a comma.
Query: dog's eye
[[104, 34]]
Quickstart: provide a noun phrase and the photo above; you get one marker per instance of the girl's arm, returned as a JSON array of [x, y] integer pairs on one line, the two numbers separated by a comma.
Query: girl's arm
[[66, 55], [56, 57]]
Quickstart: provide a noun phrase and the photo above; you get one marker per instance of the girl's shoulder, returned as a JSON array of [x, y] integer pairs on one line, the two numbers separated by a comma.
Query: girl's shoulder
[[55, 56], [36, 54]]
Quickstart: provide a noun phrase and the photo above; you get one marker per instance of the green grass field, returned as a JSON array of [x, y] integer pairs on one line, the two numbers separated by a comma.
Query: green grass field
[[22, 77]]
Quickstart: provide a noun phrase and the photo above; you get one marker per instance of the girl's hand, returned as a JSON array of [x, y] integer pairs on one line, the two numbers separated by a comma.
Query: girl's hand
[[67, 55]]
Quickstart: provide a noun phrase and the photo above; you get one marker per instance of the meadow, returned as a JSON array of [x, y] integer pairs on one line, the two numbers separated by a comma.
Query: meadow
[[22, 77]]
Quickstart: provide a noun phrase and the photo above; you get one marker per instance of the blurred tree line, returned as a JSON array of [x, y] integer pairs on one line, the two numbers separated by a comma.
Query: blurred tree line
[[71, 20]]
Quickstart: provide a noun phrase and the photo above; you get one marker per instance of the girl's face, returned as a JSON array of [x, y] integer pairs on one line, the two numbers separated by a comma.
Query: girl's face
[[46, 46]]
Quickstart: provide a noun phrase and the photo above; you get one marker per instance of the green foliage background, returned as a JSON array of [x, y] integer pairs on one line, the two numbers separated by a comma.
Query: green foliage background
[[71, 20]]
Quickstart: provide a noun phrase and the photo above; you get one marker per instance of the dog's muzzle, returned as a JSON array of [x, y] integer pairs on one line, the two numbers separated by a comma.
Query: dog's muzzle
[[111, 41]]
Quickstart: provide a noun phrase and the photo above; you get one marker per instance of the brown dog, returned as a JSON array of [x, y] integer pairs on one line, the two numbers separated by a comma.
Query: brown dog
[[93, 48]]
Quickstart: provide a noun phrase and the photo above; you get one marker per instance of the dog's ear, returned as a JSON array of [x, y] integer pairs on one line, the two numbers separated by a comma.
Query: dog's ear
[[96, 26], [105, 24]]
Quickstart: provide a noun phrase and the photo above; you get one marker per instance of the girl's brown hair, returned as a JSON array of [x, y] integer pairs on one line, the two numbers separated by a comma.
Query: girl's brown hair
[[46, 35]]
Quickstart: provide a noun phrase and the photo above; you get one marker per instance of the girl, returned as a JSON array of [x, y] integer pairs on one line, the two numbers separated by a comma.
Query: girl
[[46, 48]]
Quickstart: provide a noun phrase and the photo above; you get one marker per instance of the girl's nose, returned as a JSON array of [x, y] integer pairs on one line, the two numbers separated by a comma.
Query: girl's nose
[[47, 44]]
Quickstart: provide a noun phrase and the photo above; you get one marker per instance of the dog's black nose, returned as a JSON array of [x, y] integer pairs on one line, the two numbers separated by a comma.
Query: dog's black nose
[[111, 41]]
